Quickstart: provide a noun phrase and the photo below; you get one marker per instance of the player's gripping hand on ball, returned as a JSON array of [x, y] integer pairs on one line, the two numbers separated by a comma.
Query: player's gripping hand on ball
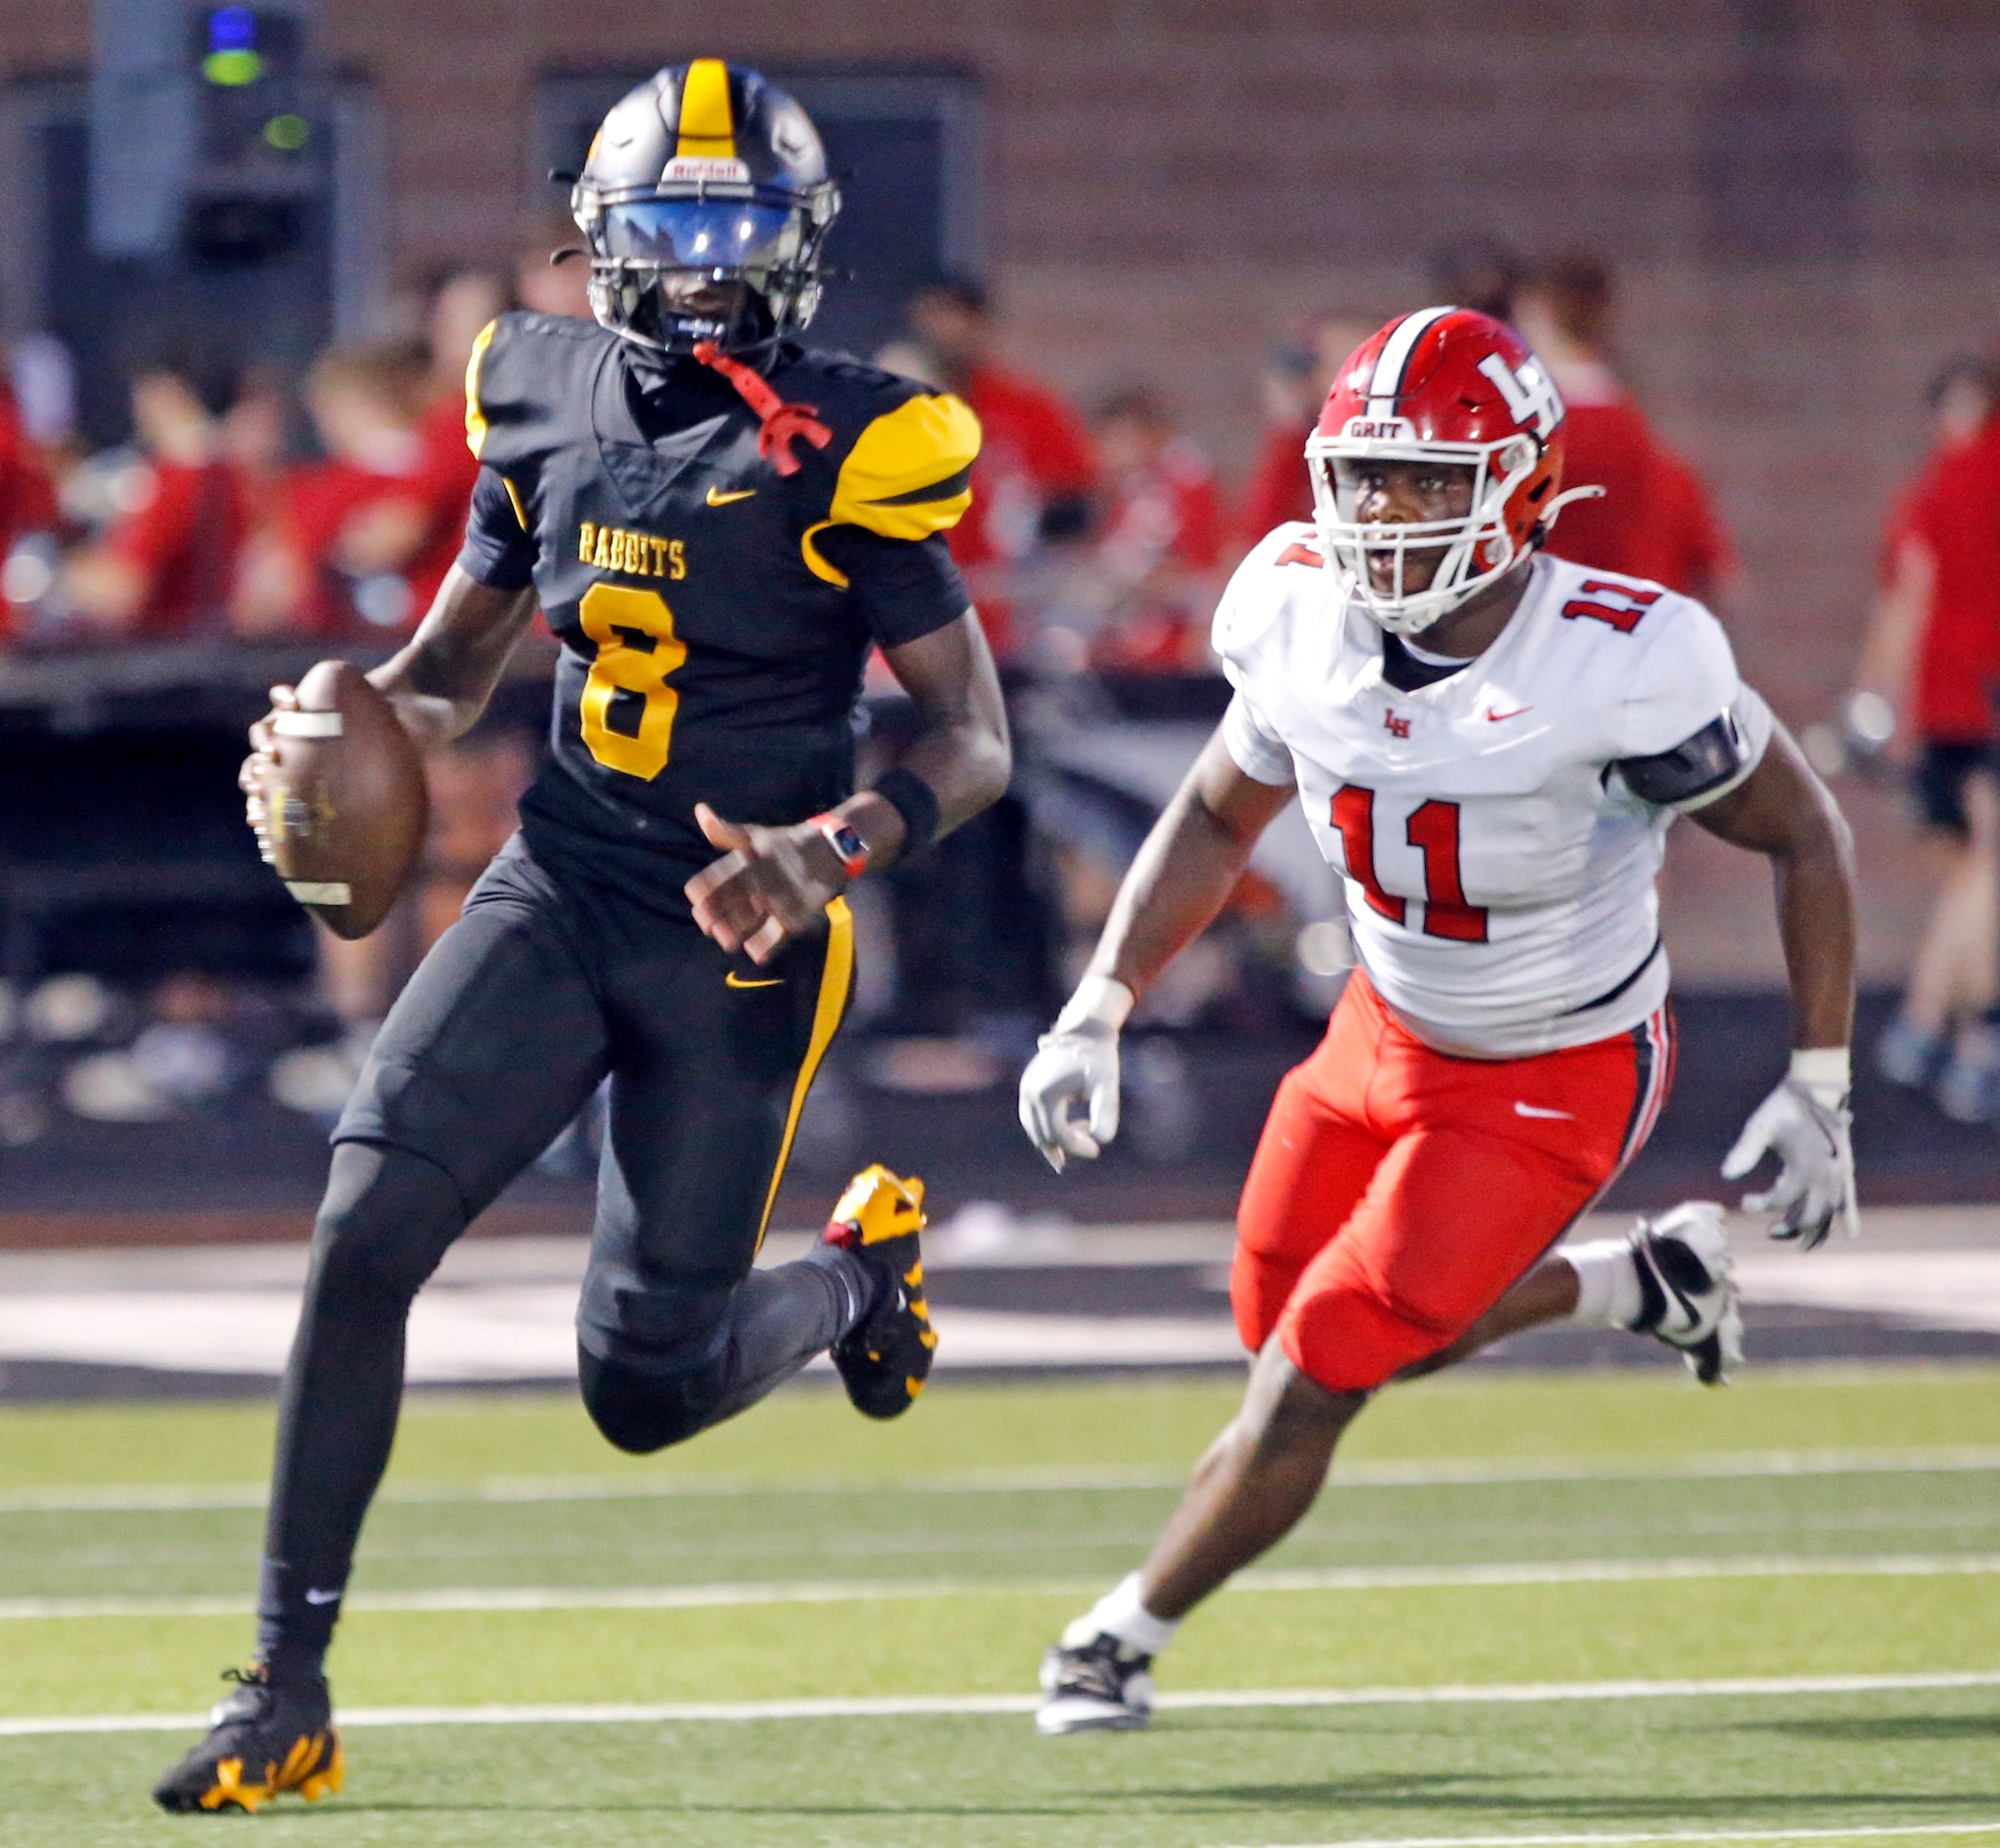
[[1069, 1092], [259, 766], [1806, 1124]]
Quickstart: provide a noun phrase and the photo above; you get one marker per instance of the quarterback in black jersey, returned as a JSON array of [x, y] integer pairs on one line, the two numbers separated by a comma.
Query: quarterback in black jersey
[[718, 525]]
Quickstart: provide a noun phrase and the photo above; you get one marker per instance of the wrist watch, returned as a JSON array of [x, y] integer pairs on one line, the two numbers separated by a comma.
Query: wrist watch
[[845, 840]]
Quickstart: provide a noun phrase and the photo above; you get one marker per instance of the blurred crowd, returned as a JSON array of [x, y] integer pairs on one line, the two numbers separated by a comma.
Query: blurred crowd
[[1922, 712], [324, 510]]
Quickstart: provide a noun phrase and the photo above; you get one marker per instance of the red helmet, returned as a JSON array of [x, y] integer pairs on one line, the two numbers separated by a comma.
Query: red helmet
[[1443, 385]]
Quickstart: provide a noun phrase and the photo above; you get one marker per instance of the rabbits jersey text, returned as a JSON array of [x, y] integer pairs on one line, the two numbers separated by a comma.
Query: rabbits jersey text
[[1499, 829]]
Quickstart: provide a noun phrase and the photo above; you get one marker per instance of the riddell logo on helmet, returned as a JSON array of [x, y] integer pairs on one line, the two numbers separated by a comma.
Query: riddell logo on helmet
[[686, 167], [1378, 430]]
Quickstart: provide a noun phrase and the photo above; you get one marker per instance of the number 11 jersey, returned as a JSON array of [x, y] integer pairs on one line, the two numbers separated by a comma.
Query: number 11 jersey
[[1498, 826]]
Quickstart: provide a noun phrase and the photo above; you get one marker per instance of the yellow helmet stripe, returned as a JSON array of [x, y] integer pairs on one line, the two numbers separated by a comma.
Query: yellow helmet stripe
[[707, 130]]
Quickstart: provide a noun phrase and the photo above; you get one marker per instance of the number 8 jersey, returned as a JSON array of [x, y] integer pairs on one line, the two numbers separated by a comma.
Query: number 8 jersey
[[715, 549], [1499, 826]]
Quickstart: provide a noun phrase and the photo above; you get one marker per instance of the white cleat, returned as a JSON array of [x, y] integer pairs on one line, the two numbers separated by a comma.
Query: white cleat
[[1103, 1685], [1689, 1297]]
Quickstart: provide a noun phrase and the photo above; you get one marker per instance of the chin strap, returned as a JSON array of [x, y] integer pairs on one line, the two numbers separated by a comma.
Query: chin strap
[[782, 423]]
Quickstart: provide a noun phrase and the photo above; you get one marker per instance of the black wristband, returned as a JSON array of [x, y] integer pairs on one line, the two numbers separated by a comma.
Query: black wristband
[[915, 801]]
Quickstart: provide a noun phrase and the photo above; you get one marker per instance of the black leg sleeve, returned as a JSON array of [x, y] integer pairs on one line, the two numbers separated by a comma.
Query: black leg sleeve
[[388, 1219], [752, 1338], [495, 1044]]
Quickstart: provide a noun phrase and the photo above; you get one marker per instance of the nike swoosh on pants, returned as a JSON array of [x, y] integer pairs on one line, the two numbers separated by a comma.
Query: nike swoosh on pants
[[1535, 1110]]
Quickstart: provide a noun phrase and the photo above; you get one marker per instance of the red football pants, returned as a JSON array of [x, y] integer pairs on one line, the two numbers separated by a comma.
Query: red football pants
[[1397, 1192]]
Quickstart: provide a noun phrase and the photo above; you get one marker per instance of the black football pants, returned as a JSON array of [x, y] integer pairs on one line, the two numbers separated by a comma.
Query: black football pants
[[524, 1006]]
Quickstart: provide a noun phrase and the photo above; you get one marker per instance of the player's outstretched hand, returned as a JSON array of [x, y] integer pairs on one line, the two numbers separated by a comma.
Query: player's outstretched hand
[[1074, 1068], [1808, 1128], [771, 883], [259, 765]]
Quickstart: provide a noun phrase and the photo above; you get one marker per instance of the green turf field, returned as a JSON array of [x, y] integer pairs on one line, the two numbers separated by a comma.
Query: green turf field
[[1479, 1618]]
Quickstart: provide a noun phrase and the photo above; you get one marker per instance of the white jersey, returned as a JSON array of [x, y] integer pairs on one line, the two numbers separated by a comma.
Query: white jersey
[[1499, 871]]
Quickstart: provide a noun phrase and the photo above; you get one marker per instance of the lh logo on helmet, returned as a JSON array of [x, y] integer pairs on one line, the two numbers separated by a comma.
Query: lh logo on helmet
[[1530, 395]]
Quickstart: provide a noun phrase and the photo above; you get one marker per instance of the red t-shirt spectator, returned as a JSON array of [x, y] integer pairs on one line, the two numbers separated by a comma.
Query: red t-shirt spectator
[[1686, 546], [1954, 510], [1280, 489], [324, 498], [1608, 443], [1655, 518], [321, 499], [27, 494], [1170, 516], [1033, 449], [445, 479], [184, 539]]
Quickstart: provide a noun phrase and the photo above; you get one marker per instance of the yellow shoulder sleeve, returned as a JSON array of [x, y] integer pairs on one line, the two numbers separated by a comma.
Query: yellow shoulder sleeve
[[908, 475], [476, 417]]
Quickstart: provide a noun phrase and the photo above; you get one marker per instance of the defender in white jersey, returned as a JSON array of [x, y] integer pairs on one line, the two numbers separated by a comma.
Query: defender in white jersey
[[1489, 744], [1499, 862]]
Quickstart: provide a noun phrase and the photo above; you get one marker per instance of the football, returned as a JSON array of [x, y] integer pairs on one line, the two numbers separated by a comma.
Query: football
[[347, 806]]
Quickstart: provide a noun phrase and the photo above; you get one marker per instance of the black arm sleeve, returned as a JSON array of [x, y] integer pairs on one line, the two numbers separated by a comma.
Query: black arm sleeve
[[497, 552], [906, 588], [1694, 767]]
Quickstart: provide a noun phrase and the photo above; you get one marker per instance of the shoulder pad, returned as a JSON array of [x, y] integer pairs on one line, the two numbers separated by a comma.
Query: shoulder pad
[[908, 472], [526, 369], [1258, 588]]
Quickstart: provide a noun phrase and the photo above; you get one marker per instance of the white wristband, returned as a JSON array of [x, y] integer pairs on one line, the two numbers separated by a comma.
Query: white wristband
[[1824, 1069], [1099, 1001]]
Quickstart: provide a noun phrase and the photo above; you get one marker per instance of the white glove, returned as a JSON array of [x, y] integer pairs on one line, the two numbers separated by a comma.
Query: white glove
[[1806, 1123], [1076, 1064]]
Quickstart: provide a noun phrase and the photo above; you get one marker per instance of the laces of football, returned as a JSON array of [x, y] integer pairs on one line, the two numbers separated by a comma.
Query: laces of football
[[779, 424]]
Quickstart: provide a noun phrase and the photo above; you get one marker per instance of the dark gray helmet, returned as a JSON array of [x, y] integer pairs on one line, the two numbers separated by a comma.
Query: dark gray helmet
[[705, 201]]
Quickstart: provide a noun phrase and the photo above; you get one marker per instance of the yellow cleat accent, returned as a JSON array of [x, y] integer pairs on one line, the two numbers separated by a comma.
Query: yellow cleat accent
[[883, 1363], [231, 1788], [328, 1781], [881, 1206], [302, 1771]]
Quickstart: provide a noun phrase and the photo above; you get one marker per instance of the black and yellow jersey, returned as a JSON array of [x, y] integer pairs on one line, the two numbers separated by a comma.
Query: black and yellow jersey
[[714, 613]]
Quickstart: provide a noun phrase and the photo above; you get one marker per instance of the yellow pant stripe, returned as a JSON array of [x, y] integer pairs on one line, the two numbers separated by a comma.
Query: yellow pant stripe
[[836, 979]]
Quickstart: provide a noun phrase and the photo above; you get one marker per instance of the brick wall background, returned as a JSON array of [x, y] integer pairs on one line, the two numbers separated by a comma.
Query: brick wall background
[[1804, 196]]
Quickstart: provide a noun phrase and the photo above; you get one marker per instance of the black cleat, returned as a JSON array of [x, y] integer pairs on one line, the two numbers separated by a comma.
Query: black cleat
[[1103, 1686], [1688, 1296], [268, 1738], [886, 1359]]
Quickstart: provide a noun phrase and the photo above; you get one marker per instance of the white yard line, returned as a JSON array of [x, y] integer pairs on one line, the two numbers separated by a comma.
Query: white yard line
[[1450, 1472], [489, 1600], [894, 1706], [1855, 1831]]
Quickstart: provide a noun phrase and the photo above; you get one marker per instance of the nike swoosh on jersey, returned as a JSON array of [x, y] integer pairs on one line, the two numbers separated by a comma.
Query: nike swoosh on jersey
[[718, 497], [733, 980], [1495, 717], [1535, 1110]]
